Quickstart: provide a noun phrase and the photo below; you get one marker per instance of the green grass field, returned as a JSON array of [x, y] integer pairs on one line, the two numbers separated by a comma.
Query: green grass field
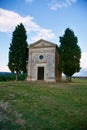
[[43, 106]]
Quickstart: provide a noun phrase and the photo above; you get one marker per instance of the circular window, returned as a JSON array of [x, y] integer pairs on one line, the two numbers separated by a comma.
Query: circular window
[[41, 57]]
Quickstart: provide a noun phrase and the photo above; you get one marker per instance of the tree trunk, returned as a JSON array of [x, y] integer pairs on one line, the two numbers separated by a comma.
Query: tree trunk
[[67, 78], [70, 79], [16, 76]]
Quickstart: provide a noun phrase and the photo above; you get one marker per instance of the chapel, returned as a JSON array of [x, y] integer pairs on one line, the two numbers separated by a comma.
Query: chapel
[[43, 61]]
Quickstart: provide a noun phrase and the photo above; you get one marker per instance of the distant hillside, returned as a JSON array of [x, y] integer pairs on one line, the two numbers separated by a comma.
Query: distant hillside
[[8, 76], [5, 73]]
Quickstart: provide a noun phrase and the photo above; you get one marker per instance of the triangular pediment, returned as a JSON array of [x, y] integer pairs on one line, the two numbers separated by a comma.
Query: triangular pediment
[[42, 43]]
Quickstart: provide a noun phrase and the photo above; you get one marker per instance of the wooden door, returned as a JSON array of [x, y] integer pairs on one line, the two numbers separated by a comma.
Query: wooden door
[[40, 73]]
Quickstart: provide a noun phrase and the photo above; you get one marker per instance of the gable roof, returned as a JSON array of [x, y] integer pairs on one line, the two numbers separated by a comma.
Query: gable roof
[[42, 43]]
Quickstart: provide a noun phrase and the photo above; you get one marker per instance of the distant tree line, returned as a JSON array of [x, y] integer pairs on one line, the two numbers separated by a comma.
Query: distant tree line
[[70, 52], [11, 77]]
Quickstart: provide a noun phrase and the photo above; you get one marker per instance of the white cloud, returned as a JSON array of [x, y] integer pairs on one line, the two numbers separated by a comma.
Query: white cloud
[[44, 34], [4, 68], [84, 60], [69, 2], [55, 4], [10, 19]]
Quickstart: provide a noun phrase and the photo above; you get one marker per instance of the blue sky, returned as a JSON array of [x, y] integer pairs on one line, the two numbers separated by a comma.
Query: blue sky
[[45, 19]]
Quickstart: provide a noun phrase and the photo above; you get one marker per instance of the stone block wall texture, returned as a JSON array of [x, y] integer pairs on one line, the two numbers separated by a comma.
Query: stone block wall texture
[[49, 61]]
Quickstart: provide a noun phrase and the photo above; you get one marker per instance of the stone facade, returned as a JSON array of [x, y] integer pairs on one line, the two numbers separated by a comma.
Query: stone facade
[[43, 62]]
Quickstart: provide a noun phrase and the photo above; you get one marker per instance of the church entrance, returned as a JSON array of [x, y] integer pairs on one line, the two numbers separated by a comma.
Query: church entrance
[[40, 73]]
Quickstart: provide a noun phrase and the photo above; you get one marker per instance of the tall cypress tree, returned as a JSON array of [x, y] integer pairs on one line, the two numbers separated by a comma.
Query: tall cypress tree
[[70, 54], [18, 51]]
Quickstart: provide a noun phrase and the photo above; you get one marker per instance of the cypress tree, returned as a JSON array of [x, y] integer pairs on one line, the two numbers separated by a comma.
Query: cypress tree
[[18, 51], [70, 53]]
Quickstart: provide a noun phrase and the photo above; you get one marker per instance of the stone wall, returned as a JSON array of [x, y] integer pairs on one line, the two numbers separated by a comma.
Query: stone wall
[[48, 62]]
